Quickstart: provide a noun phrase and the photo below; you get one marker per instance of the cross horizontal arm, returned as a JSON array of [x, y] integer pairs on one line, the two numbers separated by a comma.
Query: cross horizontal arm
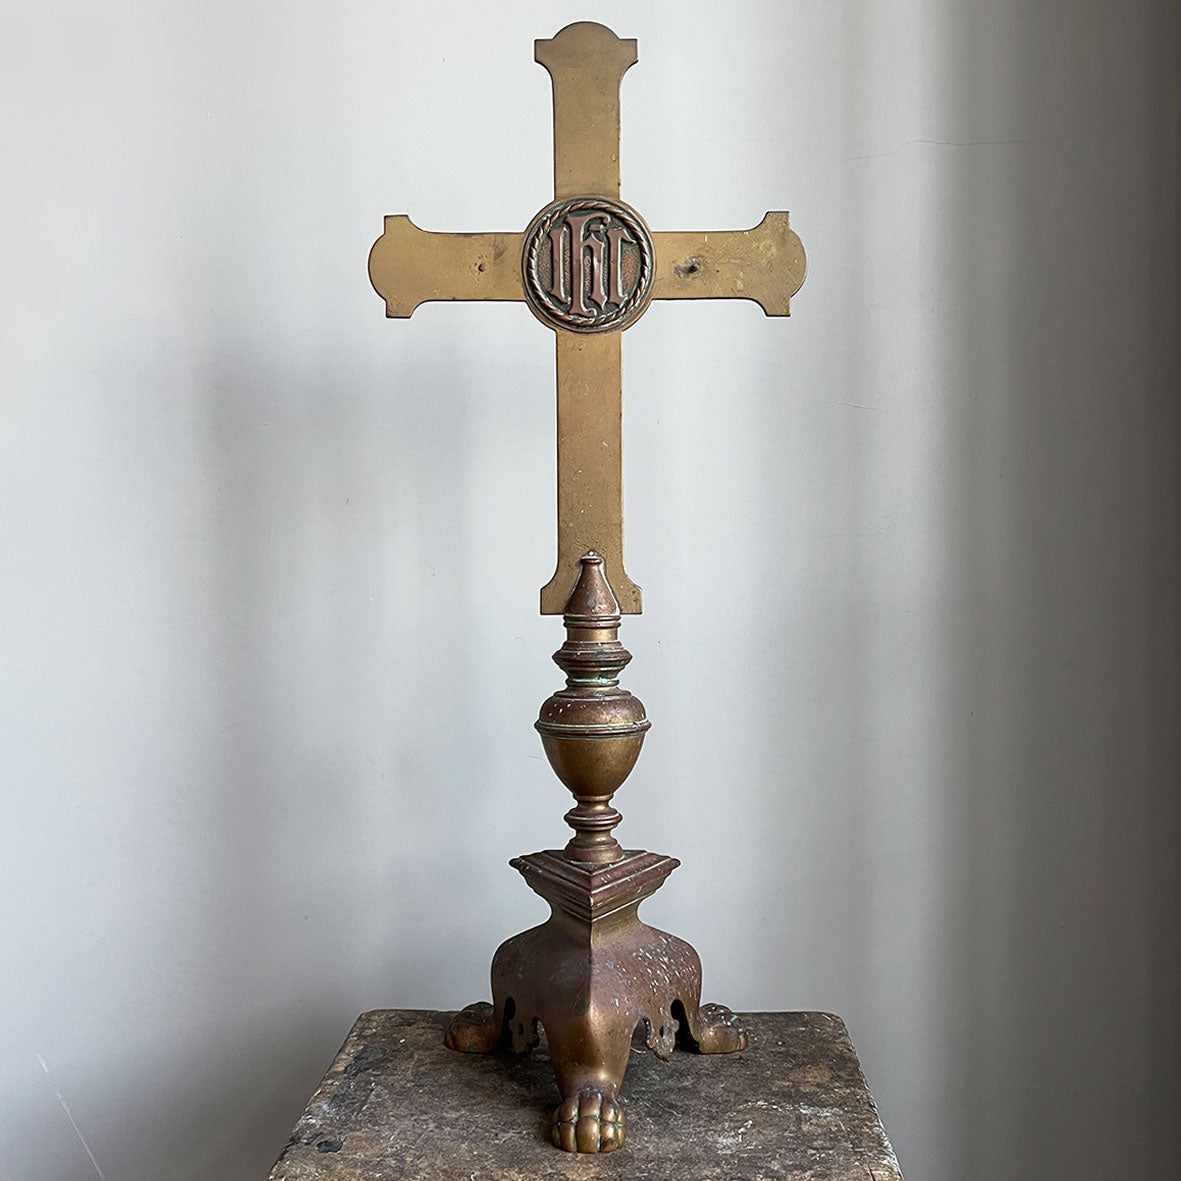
[[409, 266], [766, 264]]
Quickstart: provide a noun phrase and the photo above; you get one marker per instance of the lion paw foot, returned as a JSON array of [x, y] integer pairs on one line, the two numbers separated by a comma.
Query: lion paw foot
[[719, 1031], [589, 1122], [474, 1030]]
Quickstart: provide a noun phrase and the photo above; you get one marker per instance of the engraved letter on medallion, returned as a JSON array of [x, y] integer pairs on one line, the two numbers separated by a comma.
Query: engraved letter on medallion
[[588, 265]]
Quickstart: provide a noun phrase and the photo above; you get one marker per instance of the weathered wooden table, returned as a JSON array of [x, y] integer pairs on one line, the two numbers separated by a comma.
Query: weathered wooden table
[[396, 1105]]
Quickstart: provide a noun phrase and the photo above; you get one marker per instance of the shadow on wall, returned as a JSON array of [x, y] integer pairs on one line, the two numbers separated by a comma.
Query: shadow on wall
[[1062, 1005], [1049, 1034], [1160, 1122]]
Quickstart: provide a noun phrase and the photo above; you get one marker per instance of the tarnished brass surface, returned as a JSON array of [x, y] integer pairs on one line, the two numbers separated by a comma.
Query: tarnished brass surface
[[409, 266], [587, 266], [594, 972], [586, 63], [592, 730], [591, 975], [590, 458], [766, 264]]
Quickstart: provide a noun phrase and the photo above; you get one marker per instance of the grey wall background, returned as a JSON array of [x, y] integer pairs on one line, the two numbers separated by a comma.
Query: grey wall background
[[268, 562]]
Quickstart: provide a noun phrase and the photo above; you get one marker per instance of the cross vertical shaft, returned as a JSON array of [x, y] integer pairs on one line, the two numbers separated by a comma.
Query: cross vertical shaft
[[590, 457], [586, 64]]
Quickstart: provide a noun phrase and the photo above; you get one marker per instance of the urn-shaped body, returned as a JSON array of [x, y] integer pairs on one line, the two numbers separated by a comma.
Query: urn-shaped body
[[592, 730]]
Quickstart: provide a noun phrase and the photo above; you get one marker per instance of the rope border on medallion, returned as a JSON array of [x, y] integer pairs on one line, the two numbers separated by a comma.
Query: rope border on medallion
[[633, 304]]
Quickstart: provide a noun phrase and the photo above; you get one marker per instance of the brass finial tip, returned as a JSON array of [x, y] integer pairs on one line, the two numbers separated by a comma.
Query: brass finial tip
[[592, 595]]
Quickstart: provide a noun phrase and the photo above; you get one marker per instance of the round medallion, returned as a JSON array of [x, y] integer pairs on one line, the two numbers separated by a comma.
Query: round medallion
[[588, 264]]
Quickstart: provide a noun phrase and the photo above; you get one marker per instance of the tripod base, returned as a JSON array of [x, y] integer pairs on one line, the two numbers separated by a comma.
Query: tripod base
[[591, 975]]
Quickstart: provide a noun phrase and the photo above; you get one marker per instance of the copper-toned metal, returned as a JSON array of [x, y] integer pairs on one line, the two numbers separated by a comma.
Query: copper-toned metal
[[591, 975], [592, 730], [594, 972], [588, 266]]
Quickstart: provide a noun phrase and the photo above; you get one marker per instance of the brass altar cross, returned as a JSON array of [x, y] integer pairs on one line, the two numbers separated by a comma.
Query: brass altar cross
[[588, 268]]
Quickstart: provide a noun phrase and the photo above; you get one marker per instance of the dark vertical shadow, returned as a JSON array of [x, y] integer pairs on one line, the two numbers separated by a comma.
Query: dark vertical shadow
[[986, 237], [1161, 1123], [1062, 488], [847, 558]]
